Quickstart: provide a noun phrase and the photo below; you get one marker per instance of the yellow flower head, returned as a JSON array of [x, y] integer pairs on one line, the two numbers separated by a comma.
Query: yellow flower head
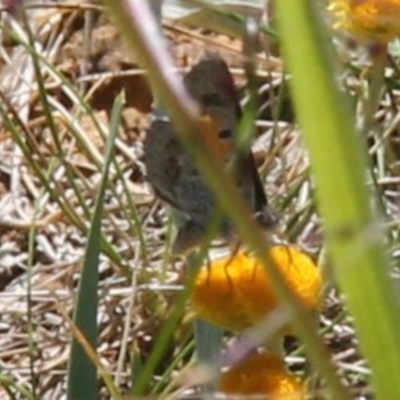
[[236, 292], [263, 375], [375, 20]]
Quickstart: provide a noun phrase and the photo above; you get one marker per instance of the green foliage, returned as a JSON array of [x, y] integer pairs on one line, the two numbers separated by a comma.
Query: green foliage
[[82, 374], [339, 167]]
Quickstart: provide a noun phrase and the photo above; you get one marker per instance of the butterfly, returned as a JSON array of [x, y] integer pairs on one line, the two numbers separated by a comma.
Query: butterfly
[[172, 171]]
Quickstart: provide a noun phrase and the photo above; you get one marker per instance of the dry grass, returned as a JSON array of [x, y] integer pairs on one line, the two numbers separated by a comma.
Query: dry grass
[[43, 229]]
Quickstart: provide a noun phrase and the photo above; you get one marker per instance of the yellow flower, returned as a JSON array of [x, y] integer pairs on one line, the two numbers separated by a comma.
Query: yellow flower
[[375, 20], [264, 375], [236, 292]]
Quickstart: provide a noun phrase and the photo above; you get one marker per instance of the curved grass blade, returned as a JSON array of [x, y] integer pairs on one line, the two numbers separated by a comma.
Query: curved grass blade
[[137, 24]]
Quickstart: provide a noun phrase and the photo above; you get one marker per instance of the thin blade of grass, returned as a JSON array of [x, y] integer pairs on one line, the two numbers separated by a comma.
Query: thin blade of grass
[[82, 374], [44, 69], [13, 386], [58, 194], [339, 169], [208, 339], [146, 374], [136, 22]]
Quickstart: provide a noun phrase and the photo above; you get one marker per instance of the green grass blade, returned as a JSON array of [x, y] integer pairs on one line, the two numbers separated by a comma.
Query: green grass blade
[[82, 374], [208, 340], [141, 31], [339, 170], [141, 383], [9, 384], [70, 119]]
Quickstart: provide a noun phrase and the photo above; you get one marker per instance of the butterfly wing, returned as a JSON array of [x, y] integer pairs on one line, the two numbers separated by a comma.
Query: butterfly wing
[[211, 84], [172, 171], [175, 179]]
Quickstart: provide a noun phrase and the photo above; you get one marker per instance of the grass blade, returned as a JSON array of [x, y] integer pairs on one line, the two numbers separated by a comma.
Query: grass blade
[[82, 375], [360, 264], [141, 32]]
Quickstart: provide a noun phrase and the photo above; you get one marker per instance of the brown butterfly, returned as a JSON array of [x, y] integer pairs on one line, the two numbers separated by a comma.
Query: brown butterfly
[[173, 174]]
